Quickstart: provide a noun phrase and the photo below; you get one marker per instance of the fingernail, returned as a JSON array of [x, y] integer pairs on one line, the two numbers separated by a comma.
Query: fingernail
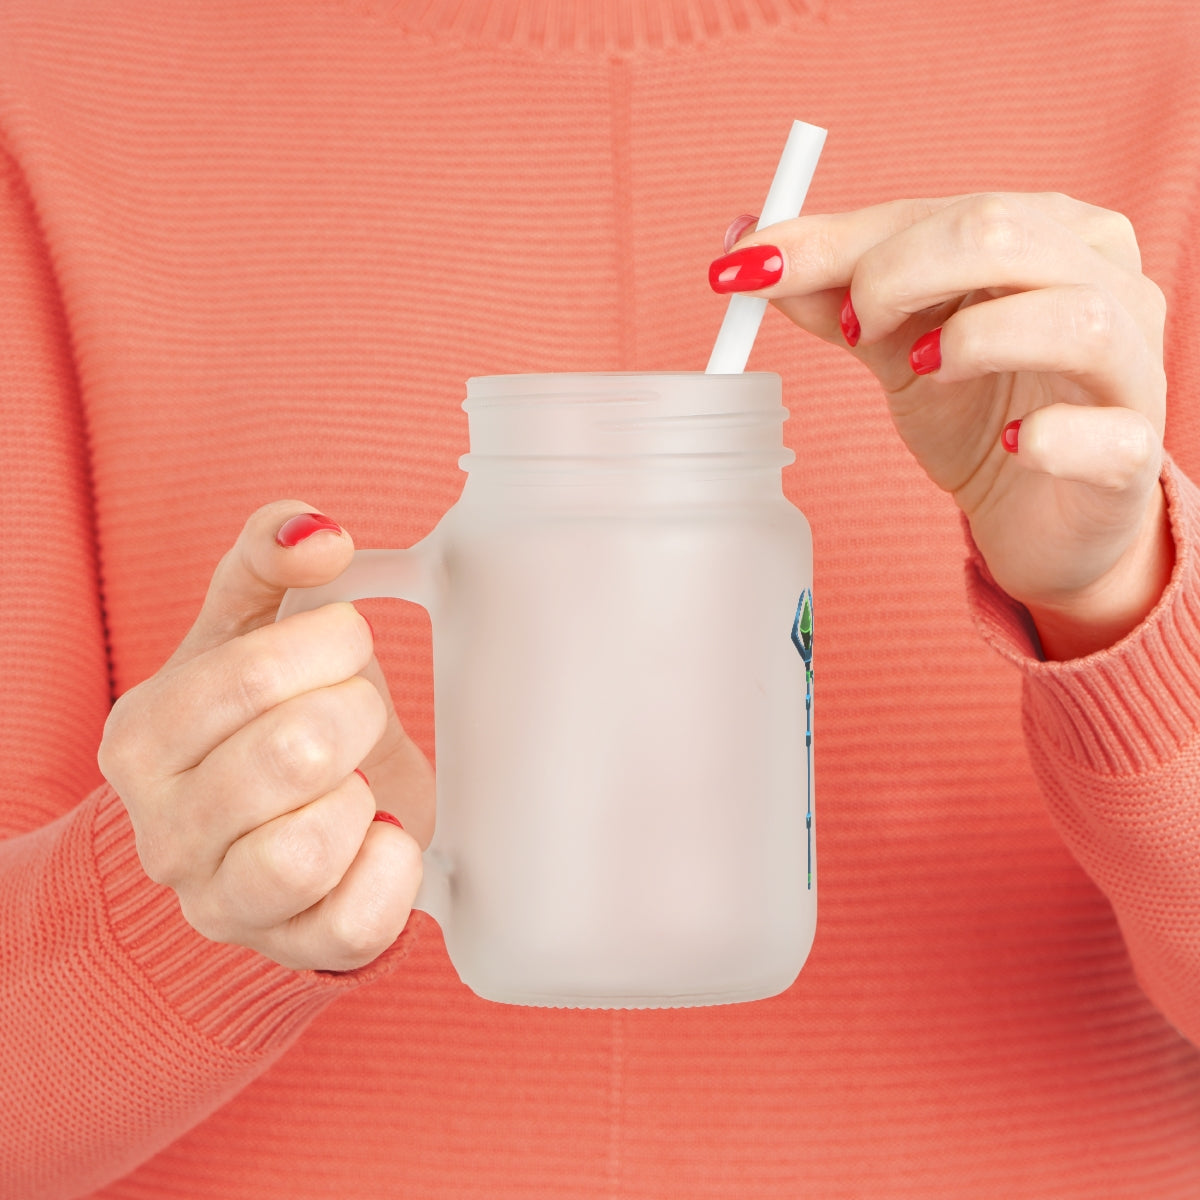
[[380, 815], [737, 227], [362, 777], [746, 270], [926, 353], [851, 330], [295, 529], [1009, 436]]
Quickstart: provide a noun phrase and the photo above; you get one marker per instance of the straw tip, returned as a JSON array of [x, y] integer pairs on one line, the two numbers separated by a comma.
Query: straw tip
[[793, 174]]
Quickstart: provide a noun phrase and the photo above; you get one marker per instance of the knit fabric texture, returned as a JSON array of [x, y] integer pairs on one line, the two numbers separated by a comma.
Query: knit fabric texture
[[253, 251]]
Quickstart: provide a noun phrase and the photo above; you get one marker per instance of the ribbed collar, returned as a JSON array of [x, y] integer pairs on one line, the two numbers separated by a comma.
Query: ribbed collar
[[589, 25]]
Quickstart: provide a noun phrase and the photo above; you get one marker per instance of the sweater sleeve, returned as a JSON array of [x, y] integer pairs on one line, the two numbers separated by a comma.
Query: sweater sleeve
[[120, 1026], [1114, 739]]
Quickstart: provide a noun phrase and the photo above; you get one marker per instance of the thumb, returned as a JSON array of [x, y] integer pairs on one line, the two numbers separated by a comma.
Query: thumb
[[1114, 450], [283, 545]]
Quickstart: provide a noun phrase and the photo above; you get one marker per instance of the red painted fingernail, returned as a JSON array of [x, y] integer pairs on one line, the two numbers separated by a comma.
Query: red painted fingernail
[[926, 353], [380, 815], [851, 330], [746, 270], [1009, 436], [737, 227], [362, 777], [295, 529]]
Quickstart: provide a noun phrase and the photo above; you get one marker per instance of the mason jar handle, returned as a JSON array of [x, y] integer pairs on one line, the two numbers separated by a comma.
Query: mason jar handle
[[400, 575]]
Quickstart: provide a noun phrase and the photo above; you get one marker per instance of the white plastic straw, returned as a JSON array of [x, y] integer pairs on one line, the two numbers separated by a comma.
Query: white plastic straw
[[788, 189]]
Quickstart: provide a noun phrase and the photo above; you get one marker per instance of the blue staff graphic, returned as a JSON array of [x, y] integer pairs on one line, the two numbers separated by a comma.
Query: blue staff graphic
[[802, 639]]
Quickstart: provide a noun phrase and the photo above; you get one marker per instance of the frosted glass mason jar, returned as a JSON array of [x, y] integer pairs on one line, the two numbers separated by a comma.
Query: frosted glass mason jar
[[622, 644]]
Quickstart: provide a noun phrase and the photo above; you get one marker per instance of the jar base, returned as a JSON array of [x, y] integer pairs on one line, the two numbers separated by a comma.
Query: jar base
[[682, 1000]]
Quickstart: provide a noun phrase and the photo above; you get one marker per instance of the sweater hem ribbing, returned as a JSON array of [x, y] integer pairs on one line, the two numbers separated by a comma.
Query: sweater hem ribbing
[[1126, 709], [236, 997]]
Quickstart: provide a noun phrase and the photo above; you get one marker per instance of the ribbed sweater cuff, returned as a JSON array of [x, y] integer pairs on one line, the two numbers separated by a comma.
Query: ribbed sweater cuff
[[236, 997], [1126, 709]]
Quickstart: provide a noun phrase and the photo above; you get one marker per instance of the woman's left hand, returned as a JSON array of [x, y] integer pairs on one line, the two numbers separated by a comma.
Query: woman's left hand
[[978, 312]]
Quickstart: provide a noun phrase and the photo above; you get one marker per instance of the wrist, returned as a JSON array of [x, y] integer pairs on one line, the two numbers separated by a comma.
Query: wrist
[[1113, 606]]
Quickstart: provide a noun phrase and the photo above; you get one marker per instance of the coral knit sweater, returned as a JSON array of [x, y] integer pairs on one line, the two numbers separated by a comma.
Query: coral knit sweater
[[251, 251]]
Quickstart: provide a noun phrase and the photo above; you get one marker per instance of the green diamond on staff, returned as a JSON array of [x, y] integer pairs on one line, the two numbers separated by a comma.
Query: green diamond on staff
[[802, 627]]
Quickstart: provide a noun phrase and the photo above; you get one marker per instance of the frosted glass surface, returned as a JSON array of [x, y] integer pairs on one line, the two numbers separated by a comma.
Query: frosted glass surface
[[624, 776]]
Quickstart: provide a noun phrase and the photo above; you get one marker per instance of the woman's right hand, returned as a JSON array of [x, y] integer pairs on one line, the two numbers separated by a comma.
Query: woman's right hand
[[237, 762]]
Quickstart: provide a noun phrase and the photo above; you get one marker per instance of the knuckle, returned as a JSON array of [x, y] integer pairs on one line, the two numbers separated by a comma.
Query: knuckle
[[360, 934], [353, 635], [372, 714], [994, 226], [817, 254], [1117, 476], [297, 859], [1059, 206], [120, 752], [1118, 229], [160, 857], [1127, 450], [878, 286], [1113, 235], [1156, 300], [208, 919], [258, 679], [917, 208], [1140, 445], [299, 751], [112, 753], [971, 342], [1090, 317]]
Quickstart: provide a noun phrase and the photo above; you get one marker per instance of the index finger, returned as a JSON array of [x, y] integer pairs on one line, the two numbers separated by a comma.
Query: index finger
[[190, 709], [821, 250]]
